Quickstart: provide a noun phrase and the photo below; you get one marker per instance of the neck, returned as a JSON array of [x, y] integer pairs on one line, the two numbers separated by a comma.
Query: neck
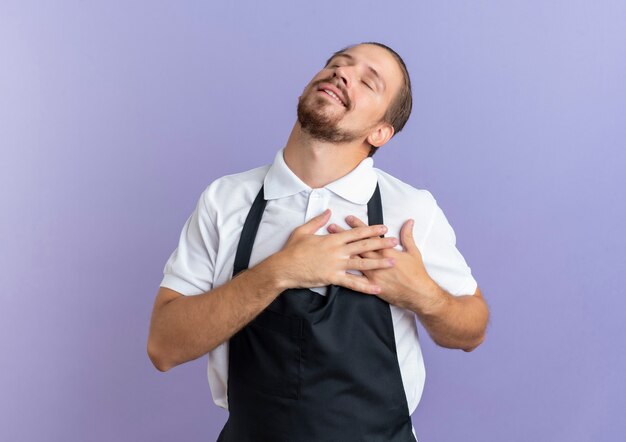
[[318, 163]]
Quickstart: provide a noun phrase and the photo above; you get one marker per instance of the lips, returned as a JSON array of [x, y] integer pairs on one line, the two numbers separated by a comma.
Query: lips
[[334, 92]]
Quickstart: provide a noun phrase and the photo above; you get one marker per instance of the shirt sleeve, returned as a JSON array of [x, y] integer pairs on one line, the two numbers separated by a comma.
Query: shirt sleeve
[[442, 260], [190, 268]]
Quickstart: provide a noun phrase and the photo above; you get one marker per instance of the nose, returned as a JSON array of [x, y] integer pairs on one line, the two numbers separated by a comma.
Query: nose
[[342, 74]]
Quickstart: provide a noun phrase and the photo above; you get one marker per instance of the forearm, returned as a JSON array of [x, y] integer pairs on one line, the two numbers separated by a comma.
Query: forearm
[[454, 321], [190, 326]]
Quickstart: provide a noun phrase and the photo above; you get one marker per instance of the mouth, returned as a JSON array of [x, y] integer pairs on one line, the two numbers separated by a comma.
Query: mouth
[[332, 92]]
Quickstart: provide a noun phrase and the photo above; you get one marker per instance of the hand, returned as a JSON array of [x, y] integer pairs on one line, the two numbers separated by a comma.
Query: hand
[[311, 260], [406, 284]]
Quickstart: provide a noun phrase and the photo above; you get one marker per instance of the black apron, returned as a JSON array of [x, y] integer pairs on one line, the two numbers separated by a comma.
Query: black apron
[[315, 368]]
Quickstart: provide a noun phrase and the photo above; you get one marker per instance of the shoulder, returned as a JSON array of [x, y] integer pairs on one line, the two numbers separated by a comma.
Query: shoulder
[[398, 191], [232, 191], [250, 179], [402, 201]]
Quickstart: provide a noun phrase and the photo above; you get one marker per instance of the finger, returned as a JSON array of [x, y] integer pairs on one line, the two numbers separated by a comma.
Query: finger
[[362, 232], [359, 283], [315, 223], [363, 264], [406, 235], [353, 221], [371, 255], [334, 228], [389, 253], [370, 245]]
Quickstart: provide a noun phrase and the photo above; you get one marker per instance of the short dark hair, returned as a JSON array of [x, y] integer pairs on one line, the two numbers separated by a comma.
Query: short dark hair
[[400, 108]]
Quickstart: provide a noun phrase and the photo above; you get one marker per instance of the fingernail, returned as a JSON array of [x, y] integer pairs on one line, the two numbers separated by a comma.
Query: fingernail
[[412, 223], [391, 261], [376, 289], [383, 229]]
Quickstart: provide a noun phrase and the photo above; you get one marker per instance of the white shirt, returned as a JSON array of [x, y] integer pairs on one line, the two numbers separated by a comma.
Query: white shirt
[[208, 242]]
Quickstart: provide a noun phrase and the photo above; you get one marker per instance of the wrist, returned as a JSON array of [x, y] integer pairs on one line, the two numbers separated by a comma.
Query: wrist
[[435, 301], [273, 267]]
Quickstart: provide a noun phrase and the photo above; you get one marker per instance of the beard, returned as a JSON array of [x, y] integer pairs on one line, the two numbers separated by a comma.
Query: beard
[[318, 122]]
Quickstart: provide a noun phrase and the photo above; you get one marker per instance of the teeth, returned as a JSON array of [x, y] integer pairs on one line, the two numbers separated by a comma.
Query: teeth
[[332, 94]]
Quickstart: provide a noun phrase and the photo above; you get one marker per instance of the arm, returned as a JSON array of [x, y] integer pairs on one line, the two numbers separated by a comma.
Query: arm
[[184, 328], [453, 321]]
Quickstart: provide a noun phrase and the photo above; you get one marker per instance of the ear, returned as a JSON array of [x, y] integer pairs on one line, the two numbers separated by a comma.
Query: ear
[[380, 135]]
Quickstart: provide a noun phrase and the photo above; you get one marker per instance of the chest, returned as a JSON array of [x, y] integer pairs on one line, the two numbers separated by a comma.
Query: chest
[[282, 216]]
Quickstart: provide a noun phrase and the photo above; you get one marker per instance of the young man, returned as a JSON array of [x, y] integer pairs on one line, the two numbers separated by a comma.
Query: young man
[[306, 310]]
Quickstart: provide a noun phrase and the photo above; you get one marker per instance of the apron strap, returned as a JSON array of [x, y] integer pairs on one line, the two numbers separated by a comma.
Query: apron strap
[[375, 209], [248, 234]]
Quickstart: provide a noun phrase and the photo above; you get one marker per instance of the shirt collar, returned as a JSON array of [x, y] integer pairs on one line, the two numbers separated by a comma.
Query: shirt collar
[[357, 186]]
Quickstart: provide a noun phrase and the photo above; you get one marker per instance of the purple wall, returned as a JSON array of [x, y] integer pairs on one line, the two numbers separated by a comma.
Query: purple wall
[[115, 116]]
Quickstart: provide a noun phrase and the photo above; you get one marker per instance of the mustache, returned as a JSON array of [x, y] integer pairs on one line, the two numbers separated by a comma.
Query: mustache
[[344, 94]]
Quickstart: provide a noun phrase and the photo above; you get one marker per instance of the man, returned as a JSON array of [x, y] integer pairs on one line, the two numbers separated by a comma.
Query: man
[[310, 326]]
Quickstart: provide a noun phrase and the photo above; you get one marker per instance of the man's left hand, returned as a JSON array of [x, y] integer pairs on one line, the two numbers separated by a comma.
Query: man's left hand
[[406, 284]]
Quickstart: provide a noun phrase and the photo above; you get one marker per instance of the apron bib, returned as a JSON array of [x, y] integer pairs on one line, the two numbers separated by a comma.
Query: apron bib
[[315, 368]]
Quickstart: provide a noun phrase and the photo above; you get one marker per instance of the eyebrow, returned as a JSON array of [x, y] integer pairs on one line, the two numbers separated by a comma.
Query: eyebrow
[[371, 69]]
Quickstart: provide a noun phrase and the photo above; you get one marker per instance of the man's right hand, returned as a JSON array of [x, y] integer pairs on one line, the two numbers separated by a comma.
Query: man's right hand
[[310, 260]]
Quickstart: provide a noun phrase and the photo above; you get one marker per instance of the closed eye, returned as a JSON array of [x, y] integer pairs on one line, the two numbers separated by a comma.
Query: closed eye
[[366, 84]]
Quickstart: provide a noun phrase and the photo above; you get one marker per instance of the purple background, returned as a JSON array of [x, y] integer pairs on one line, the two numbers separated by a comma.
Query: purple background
[[114, 116]]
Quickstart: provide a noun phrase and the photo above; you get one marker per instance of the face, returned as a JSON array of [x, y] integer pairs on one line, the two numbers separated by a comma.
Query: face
[[348, 98]]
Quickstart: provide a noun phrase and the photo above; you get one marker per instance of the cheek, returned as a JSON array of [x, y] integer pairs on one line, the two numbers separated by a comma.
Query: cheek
[[320, 76], [378, 108], [310, 85], [369, 109]]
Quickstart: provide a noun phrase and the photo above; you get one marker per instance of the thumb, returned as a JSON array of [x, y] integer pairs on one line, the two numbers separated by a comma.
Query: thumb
[[406, 235], [315, 223]]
